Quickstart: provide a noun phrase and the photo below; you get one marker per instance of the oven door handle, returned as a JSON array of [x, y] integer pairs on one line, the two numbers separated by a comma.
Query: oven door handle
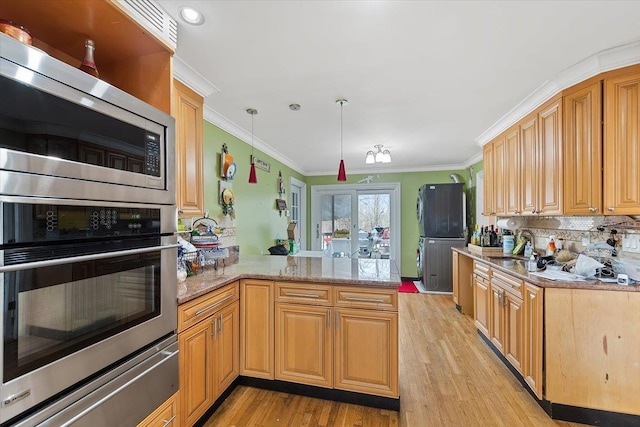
[[83, 258]]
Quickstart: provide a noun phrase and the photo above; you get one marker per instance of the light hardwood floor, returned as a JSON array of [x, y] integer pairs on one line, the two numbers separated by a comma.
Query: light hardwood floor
[[448, 377]]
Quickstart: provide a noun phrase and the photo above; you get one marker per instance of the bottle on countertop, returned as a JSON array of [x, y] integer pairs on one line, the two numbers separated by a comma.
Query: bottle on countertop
[[89, 64], [551, 246], [528, 250], [531, 265]]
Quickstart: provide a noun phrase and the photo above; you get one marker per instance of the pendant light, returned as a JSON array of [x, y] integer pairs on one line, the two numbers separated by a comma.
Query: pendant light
[[342, 174], [253, 179]]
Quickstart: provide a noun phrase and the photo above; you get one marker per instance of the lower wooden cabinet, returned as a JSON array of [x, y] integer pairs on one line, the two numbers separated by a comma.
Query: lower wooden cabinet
[[481, 297], [533, 336], [166, 415], [257, 326], [209, 351], [463, 283], [366, 352], [304, 344], [514, 333]]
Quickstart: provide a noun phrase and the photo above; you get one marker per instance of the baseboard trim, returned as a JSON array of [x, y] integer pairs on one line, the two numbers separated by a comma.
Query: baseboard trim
[[213, 408], [575, 414], [324, 393]]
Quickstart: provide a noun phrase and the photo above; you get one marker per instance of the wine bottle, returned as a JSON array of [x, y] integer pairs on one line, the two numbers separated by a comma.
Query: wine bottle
[[89, 64]]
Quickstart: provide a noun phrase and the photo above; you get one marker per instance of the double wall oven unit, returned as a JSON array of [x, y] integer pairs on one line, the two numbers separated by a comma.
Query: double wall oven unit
[[87, 247]]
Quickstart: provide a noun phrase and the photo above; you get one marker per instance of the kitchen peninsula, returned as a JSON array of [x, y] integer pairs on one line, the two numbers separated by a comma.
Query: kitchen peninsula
[[319, 326], [573, 344]]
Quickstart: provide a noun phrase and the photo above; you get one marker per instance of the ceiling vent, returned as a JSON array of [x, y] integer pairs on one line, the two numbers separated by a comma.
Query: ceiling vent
[[152, 17]]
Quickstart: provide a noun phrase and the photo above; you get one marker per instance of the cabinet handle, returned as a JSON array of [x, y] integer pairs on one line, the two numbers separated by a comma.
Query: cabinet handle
[[504, 300], [592, 209], [221, 325], [328, 318], [471, 281], [364, 299], [296, 294], [214, 322], [165, 423], [212, 306], [611, 209]]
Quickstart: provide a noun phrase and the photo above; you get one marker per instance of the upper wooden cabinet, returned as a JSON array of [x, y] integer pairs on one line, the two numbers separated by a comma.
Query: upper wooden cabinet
[[188, 112], [499, 167], [529, 159], [513, 181], [127, 56], [489, 185], [549, 192], [622, 146], [583, 149]]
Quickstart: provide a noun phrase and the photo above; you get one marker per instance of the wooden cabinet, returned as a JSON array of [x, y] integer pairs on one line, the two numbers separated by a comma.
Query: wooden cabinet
[[550, 173], [166, 415], [304, 344], [592, 346], [187, 108], [489, 180], [127, 56], [622, 143], [463, 283], [533, 327], [583, 149], [499, 167], [513, 180], [507, 327], [257, 326], [366, 351], [528, 160], [496, 317], [337, 337], [209, 350], [481, 297]]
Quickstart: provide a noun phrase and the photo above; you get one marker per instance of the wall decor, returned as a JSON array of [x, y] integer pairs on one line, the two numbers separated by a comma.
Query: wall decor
[[261, 164], [280, 184], [227, 166], [227, 199], [281, 205]]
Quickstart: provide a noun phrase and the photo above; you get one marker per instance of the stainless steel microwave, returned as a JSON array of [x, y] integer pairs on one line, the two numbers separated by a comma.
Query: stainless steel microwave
[[66, 134]]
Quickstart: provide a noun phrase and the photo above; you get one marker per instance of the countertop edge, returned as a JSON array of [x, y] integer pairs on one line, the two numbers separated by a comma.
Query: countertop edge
[[543, 283]]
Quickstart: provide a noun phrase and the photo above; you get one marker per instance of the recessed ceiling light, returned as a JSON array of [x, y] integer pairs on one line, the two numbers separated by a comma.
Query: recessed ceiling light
[[191, 15], [294, 107]]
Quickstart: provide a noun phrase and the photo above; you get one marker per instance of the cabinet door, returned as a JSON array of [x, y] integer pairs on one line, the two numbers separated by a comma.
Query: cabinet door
[[513, 181], [304, 350], [489, 184], [196, 370], [187, 110], [227, 347], [513, 330], [366, 352], [583, 151], [166, 415], [532, 361], [529, 162], [622, 145], [455, 278], [550, 173], [500, 169], [481, 305], [256, 329], [496, 317]]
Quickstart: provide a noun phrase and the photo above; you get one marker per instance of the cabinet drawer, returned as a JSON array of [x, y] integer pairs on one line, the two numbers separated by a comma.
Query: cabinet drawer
[[303, 293], [379, 299], [194, 311], [481, 269], [507, 282]]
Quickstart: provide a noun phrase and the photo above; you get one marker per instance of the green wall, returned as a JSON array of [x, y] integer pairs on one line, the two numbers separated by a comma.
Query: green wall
[[258, 223], [257, 220]]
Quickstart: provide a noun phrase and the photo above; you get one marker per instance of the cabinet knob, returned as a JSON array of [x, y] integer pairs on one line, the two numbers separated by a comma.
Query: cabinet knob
[[611, 209], [592, 209], [533, 211]]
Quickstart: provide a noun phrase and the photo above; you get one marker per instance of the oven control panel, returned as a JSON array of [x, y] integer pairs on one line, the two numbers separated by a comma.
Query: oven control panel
[[26, 223]]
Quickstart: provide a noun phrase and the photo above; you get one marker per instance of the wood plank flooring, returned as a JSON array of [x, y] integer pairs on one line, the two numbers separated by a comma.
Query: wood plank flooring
[[448, 377]]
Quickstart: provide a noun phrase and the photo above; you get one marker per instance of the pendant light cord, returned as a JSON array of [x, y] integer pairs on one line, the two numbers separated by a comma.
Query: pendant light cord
[[341, 151], [252, 137]]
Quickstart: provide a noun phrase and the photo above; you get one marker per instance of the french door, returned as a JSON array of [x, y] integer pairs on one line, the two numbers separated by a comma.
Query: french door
[[360, 220]]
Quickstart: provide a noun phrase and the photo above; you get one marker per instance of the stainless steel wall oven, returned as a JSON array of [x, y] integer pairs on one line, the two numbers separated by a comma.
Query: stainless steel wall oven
[[87, 247]]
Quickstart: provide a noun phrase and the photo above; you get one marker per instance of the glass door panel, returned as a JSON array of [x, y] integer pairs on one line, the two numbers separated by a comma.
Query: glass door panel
[[374, 224], [335, 224]]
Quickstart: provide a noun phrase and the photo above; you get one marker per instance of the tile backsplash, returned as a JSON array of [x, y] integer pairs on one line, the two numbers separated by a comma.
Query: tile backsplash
[[575, 230]]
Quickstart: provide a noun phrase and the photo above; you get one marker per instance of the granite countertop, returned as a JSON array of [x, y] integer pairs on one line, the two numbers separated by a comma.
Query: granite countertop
[[517, 267], [381, 273]]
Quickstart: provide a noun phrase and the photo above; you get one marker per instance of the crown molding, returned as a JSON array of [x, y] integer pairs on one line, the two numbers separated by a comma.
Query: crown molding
[[190, 77], [217, 119], [600, 62]]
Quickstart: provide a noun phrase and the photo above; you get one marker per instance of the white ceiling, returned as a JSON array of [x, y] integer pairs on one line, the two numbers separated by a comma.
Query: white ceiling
[[424, 78]]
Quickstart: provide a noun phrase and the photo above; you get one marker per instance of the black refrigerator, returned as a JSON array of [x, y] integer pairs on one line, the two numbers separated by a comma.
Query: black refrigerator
[[441, 211]]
